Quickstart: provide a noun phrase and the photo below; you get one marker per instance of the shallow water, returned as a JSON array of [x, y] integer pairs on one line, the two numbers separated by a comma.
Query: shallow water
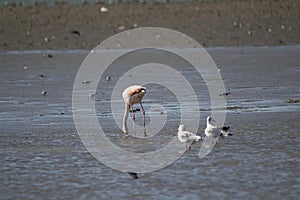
[[43, 157]]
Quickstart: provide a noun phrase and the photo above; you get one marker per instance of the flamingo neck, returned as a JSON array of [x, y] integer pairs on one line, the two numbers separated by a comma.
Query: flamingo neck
[[125, 117]]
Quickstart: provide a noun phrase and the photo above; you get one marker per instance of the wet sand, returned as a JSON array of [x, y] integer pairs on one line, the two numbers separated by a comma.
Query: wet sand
[[42, 155], [211, 23]]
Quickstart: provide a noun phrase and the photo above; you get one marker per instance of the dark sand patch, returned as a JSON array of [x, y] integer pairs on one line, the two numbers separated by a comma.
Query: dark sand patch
[[211, 23]]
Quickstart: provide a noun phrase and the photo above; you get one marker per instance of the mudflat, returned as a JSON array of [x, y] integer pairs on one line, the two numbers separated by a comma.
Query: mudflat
[[42, 154]]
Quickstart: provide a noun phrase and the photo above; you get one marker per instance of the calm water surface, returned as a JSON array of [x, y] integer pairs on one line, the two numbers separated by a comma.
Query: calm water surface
[[42, 156]]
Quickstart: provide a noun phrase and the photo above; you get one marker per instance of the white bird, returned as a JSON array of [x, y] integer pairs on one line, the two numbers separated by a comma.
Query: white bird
[[213, 131], [187, 137], [133, 95]]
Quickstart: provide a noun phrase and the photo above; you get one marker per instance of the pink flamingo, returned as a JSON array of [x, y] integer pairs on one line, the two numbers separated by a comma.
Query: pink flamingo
[[133, 95]]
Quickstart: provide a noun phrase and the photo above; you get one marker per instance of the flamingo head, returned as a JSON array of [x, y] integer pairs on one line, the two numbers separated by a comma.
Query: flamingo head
[[137, 90]]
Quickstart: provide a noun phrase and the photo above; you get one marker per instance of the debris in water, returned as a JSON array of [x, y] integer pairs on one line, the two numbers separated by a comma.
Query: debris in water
[[44, 92], [293, 101]]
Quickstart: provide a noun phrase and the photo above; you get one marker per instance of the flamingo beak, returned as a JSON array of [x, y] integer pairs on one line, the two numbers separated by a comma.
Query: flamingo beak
[[143, 90]]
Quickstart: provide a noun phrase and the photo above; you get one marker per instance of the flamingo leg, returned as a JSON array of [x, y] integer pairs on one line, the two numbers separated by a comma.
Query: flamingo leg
[[144, 123], [133, 119], [132, 113]]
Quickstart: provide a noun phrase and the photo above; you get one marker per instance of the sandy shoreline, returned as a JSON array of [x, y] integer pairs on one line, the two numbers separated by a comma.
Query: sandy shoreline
[[213, 23]]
